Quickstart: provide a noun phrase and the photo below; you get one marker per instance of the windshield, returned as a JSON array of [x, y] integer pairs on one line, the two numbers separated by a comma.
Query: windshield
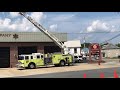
[[20, 57]]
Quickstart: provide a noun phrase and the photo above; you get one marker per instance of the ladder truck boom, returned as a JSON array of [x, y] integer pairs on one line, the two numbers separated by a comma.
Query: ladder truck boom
[[43, 30]]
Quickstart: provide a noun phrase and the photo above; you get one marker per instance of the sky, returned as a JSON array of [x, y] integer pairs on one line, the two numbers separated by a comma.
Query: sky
[[79, 25]]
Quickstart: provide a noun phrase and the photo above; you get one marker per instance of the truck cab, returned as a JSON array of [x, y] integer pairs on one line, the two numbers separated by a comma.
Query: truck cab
[[31, 60]]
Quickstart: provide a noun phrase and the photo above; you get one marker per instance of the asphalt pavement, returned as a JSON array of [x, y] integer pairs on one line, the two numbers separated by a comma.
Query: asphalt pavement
[[95, 73]]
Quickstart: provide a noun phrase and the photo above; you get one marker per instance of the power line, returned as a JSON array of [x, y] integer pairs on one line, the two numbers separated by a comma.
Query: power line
[[99, 33], [111, 38], [90, 32]]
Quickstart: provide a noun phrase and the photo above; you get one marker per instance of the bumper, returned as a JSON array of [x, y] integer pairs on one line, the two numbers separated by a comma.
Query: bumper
[[19, 66]]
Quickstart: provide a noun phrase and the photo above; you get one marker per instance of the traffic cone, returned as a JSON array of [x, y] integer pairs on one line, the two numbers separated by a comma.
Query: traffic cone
[[115, 74], [84, 76], [101, 75]]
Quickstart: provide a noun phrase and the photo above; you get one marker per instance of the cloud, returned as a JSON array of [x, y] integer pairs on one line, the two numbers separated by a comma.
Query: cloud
[[99, 26], [37, 16], [63, 22], [20, 23], [5, 25], [63, 17], [14, 14], [53, 27]]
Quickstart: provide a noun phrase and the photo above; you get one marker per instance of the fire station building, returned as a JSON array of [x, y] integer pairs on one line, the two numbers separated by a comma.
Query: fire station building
[[13, 44]]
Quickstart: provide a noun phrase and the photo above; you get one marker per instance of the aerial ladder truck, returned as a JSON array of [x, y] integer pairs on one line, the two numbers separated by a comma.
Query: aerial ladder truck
[[38, 59]]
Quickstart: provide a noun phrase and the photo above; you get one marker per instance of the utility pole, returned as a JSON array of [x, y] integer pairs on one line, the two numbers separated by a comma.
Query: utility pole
[[84, 45], [84, 42]]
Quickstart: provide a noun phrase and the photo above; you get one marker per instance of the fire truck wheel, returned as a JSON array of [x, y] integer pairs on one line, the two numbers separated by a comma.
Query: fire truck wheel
[[32, 66], [62, 63]]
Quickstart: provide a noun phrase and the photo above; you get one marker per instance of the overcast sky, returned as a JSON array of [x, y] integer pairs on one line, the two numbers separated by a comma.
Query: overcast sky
[[70, 22]]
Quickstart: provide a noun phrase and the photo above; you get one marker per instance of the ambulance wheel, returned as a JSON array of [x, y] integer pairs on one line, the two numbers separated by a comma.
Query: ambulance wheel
[[32, 66], [62, 63]]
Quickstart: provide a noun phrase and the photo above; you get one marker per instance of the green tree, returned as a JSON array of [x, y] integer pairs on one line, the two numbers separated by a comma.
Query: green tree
[[118, 44], [86, 45]]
